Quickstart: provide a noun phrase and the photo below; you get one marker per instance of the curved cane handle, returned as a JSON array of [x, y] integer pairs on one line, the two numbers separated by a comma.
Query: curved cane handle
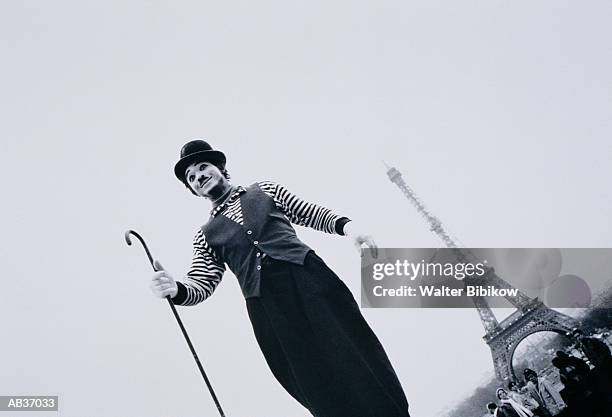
[[129, 242]]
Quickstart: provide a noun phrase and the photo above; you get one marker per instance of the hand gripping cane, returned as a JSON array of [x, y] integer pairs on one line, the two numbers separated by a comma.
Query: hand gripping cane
[[178, 319]]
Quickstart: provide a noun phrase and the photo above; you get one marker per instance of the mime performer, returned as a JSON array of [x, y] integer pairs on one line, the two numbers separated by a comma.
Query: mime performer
[[306, 321]]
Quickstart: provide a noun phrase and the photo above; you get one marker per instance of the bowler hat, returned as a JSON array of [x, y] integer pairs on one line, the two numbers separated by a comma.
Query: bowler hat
[[197, 151]]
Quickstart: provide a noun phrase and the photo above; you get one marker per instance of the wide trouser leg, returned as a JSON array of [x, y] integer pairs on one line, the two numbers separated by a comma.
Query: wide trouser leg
[[274, 353], [318, 345]]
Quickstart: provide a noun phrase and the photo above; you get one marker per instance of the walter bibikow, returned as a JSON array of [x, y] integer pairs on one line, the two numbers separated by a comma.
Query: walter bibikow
[[444, 291]]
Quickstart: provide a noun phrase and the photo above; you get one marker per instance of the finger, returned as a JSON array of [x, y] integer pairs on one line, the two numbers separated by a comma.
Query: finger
[[374, 247], [157, 266], [163, 287], [164, 283], [159, 274], [357, 245], [155, 291], [162, 280], [158, 282]]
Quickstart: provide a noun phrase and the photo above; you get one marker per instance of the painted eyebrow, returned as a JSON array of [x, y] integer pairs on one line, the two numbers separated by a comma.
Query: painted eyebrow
[[189, 169]]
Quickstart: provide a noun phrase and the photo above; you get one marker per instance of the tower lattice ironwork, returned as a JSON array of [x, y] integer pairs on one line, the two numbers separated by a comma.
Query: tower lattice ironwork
[[531, 315]]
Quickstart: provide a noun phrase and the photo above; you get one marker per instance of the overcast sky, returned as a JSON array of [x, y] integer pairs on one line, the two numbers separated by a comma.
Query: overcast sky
[[498, 114]]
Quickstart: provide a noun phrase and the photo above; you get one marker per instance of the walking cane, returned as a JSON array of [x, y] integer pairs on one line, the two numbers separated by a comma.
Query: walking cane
[[178, 319]]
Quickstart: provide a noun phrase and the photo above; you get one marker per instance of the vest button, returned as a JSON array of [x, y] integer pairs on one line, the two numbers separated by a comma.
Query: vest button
[[258, 254], [249, 232], [258, 267], [255, 242]]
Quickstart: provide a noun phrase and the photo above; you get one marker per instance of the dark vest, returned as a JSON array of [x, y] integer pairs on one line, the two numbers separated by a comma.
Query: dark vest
[[266, 231]]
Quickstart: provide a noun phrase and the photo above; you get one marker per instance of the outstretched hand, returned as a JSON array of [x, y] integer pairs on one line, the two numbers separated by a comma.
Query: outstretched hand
[[360, 238]]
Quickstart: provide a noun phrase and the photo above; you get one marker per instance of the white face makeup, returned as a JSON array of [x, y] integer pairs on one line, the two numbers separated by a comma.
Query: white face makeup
[[205, 179]]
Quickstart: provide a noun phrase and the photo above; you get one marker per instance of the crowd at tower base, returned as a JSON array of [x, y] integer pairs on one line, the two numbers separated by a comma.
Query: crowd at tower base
[[586, 386]]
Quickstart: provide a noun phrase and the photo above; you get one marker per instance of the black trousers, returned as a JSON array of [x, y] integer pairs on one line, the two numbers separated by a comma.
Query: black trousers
[[318, 345]]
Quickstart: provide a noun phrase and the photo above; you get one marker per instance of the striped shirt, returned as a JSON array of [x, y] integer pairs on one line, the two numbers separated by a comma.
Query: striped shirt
[[207, 268]]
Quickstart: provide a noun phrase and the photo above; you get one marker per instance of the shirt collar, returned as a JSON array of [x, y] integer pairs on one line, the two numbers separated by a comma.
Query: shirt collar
[[239, 190]]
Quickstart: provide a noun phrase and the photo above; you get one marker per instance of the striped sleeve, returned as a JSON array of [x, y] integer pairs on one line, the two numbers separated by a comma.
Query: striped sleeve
[[204, 275], [301, 212]]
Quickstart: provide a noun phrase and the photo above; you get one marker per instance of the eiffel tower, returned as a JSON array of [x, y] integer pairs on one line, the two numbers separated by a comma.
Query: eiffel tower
[[531, 315]]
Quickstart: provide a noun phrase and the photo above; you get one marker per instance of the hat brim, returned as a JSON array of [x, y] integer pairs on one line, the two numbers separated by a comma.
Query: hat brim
[[215, 157]]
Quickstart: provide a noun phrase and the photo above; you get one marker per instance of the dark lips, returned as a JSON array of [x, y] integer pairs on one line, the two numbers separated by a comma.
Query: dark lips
[[205, 181]]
